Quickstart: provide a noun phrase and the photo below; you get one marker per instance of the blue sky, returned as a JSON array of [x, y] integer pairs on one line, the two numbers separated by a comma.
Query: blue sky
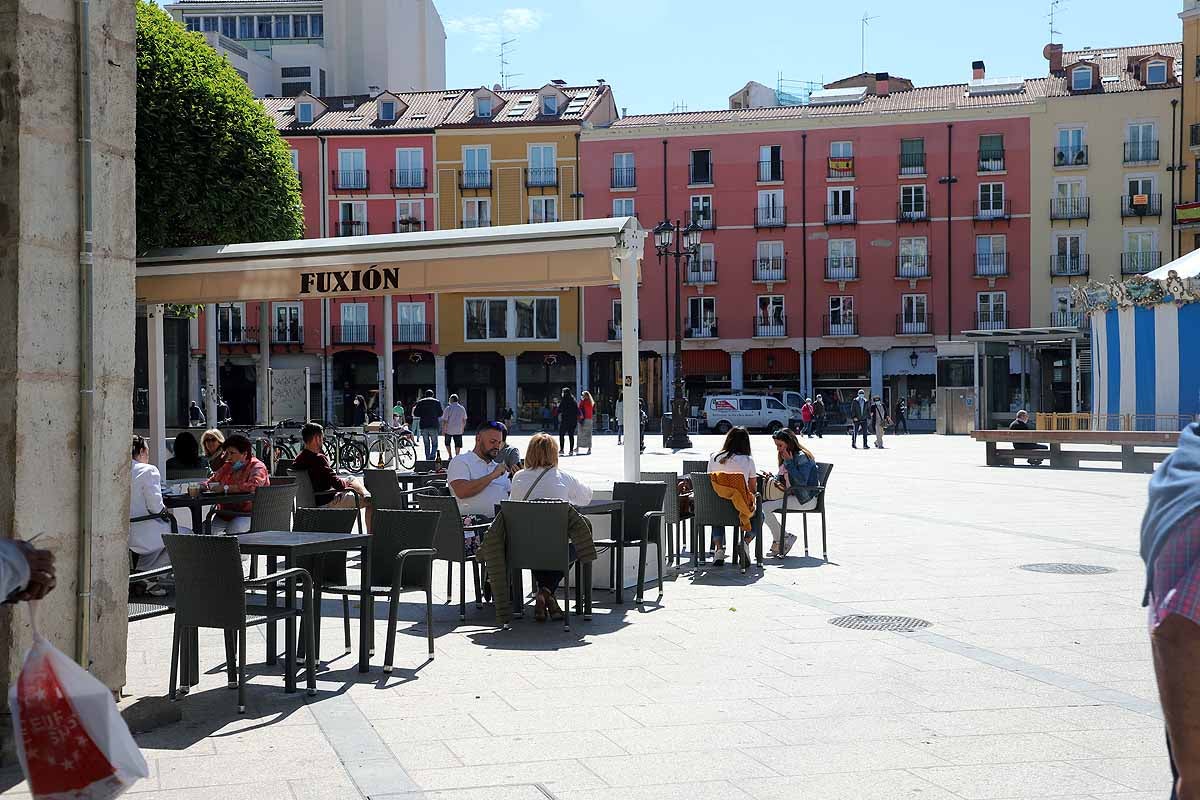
[[660, 53]]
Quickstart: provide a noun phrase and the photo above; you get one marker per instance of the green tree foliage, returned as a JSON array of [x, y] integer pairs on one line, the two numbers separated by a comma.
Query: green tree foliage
[[211, 167]]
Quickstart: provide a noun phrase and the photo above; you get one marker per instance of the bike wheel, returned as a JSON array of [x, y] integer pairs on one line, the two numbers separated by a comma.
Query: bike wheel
[[406, 453], [354, 456], [330, 449], [379, 455]]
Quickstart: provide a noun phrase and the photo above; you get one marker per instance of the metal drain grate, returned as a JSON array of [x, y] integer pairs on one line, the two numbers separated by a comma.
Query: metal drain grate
[[1068, 569], [876, 622]]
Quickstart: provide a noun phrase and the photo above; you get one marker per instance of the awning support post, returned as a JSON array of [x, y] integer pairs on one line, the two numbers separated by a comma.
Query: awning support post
[[385, 412], [629, 368], [156, 364]]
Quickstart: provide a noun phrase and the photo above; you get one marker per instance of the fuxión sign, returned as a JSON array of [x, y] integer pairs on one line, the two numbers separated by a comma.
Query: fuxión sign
[[371, 279]]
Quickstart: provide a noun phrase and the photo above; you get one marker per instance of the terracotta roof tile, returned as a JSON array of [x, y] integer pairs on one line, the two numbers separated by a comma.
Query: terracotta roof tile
[[1114, 63]]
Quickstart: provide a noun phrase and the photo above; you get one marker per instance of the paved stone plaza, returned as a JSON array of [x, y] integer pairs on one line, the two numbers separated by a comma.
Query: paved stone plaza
[[1025, 685]]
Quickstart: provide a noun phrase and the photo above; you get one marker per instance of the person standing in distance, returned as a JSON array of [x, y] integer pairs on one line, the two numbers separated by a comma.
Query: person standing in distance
[[428, 414], [454, 422], [860, 415]]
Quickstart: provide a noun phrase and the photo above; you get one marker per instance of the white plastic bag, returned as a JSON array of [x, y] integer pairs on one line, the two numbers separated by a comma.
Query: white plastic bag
[[71, 740]]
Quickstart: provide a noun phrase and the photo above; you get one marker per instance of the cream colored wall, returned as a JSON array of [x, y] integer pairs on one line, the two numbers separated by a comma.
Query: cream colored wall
[[1105, 118]]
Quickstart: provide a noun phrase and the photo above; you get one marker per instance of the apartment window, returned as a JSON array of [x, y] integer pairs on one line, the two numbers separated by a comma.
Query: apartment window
[[769, 264], [317, 23], [912, 201], [623, 207], [352, 218], [532, 318], [841, 149], [300, 26], [543, 209], [700, 167], [410, 323], [770, 315], [614, 324], [245, 27], [1156, 73], [296, 160], [992, 309], [991, 255], [1141, 142], [840, 206], [624, 175], [914, 257], [702, 317], [1140, 184], [410, 215], [1071, 150], [477, 171], [991, 153], [387, 110], [477, 212], [283, 26], [304, 113], [483, 106], [192, 24], [770, 208], [841, 315], [543, 165], [703, 268], [549, 105], [842, 260], [211, 24], [295, 72], [294, 88], [288, 323], [1081, 79], [410, 168], [229, 27], [1069, 201], [912, 156], [1068, 255], [913, 314], [352, 169], [991, 199], [230, 323], [702, 210], [770, 162], [263, 27], [356, 327], [1141, 252]]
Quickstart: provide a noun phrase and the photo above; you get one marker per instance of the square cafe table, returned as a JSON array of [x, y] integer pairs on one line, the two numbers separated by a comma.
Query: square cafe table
[[292, 545], [615, 511], [197, 503]]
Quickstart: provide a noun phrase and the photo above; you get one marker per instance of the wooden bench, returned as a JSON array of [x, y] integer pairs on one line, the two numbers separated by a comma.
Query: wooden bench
[[1133, 455]]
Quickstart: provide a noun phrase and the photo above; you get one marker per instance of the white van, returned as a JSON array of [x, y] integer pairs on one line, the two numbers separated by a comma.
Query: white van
[[724, 411]]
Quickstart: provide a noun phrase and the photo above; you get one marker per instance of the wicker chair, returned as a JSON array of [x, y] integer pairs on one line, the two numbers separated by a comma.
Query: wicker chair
[[671, 516], [384, 489], [813, 506], [270, 511], [306, 497], [537, 539], [283, 466], [642, 516], [450, 543], [328, 568], [211, 593], [714, 511]]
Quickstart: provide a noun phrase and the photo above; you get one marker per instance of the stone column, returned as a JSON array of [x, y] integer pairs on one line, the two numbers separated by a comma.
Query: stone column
[[43, 321], [389, 375], [439, 377], [806, 376], [736, 382], [877, 373], [510, 383], [211, 357], [263, 373]]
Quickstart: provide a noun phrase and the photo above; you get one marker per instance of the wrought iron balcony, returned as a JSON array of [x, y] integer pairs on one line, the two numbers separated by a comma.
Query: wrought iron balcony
[[841, 268], [623, 177], [1069, 266], [770, 217], [352, 228], [408, 178], [844, 324], [991, 265], [1140, 262], [541, 176], [354, 334], [771, 326], [1143, 152], [289, 333], [912, 163], [1070, 207], [236, 334], [914, 325], [991, 320], [770, 270], [412, 333], [700, 271], [1074, 156], [991, 160], [912, 212], [707, 221], [408, 225], [992, 210], [614, 329], [700, 329], [770, 171], [1152, 207], [840, 214], [349, 180], [1066, 319], [912, 267], [840, 167], [474, 179]]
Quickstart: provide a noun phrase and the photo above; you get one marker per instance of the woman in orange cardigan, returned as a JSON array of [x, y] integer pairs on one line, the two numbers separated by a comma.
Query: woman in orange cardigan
[[734, 457]]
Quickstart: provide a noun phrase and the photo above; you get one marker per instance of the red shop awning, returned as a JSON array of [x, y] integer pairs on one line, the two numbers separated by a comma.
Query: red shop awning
[[782, 361], [705, 362], [841, 361]]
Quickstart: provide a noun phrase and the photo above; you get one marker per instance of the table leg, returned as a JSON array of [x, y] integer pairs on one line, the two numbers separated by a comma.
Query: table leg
[[197, 519], [587, 590], [319, 566], [289, 630], [618, 518], [366, 612], [272, 593]]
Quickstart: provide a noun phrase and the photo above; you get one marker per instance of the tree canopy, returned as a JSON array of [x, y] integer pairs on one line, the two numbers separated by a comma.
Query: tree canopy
[[211, 167]]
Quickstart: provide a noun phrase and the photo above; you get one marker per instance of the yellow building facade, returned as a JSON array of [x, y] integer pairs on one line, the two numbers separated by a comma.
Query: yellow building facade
[[1187, 214]]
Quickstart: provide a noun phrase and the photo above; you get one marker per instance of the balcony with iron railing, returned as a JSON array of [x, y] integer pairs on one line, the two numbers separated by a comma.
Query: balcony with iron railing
[[700, 174], [770, 270], [912, 212], [1073, 156], [538, 177], [912, 163], [353, 334], [992, 210], [991, 320], [841, 268], [622, 177], [474, 179], [288, 333], [1069, 266], [991, 265], [1152, 207], [352, 228], [408, 178], [914, 324], [542, 216], [700, 271], [1140, 262], [845, 324], [412, 333], [991, 160], [912, 267], [614, 329], [706, 221], [476, 222], [1143, 152], [700, 329], [408, 225], [236, 334], [840, 167], [770, 217], [770, 171], [1066, 319], [773, 326], [1070, 207], [841, 214], [350, 180]]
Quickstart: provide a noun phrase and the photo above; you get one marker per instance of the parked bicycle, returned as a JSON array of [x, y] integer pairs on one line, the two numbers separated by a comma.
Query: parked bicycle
[[391, 447], [345, 450]]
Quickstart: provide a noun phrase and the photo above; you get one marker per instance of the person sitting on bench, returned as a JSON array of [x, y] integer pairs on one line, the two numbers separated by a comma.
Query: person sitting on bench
[[1021, 423]]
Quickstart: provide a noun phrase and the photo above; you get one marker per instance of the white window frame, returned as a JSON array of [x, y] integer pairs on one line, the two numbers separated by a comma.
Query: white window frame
[[387, 110], [992, 210], [1080, 249], [365, 324], [621, 204], [1151, 65], [226, 311], [845, 314], [843, 144], [914, 189], [511, 319], [914, 262], [549, 105], [1071, 150], [304, 113], [358, 214], [703, 265], [703, 330], [839, 191], [548, 203], [770, 207], [351, 153], [411, 314], [476, 203], [473, 150], [769, 261], [483, 107], [295, 160], [999, 310], [1081, 86], [914, 323], [405, 210], [290, 306], [541, 148], [413, 155], [692, 165], [704, 201], [771, 319], [993, 266]]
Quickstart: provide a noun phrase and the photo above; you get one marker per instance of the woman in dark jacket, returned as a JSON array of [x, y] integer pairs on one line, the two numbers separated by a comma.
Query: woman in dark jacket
[[568, 420], [186, 459]]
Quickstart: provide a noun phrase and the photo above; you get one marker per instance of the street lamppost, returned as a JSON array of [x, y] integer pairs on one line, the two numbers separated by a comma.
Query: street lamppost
[[673, 241]]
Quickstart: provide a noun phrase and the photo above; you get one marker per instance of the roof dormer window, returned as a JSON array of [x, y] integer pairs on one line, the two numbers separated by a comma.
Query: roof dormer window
[[304, 113], [387, 110], [483, 106], [1081, 79], [1156, 73], [549, 105]]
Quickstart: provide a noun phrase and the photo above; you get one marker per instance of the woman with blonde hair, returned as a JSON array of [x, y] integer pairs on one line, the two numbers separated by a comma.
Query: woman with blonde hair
[[213, 442], [543, 480]]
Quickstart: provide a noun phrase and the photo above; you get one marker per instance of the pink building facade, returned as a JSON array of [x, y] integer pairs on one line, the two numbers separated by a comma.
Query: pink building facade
[[835, 256]]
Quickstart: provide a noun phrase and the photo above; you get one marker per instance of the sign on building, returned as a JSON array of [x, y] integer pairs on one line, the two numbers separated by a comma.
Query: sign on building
[[289, 394]]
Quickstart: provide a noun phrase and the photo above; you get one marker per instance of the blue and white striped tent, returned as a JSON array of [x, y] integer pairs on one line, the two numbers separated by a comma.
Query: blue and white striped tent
[[1146, 344]]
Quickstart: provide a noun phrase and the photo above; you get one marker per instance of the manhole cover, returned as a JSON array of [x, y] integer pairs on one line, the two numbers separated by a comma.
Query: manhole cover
[[1068, 569], [876, 622]]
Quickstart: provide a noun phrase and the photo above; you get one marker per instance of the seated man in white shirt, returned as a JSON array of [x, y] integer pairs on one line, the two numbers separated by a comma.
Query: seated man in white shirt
[[476, 479]]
